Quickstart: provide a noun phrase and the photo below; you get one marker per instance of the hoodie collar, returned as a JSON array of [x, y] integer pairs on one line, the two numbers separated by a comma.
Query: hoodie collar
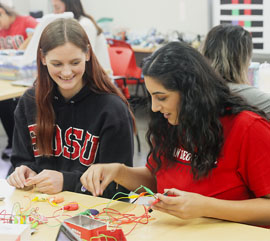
[[83, 93]]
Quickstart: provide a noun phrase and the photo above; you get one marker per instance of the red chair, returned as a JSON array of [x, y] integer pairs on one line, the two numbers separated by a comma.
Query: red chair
[[123, 63], [119, 68], [125, 70]]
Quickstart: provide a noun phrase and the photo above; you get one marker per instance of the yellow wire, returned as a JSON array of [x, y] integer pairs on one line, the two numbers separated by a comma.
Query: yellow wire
[[103, 236]]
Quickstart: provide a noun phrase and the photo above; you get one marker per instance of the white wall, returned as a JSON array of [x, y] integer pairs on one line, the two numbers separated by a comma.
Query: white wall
[[24, 6], [35, 5], [189, 16], [165, 15]]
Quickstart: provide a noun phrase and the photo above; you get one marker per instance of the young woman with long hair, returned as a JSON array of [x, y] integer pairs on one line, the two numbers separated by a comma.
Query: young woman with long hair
[[73, 116], [208, 147]]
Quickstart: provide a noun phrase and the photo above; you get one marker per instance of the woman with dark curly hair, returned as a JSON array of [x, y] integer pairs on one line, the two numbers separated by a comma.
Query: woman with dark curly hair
[[208, 147]]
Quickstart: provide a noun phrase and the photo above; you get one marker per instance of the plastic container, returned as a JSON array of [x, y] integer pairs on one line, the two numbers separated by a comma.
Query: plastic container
[[106, 25], [12, 66], [253, 74], [264, 77]]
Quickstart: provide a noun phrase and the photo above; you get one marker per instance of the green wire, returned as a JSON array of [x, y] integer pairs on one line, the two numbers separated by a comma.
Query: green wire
[[148, 190], [112, 199]]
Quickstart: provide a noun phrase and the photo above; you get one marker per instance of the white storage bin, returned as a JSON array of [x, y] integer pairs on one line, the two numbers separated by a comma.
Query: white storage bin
[[12, 66]]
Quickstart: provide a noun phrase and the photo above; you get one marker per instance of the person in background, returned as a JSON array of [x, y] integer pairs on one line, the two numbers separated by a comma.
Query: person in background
[[73, 116], [94, 32], [12, 36], [229, 49], [8, 3], [209, 149]]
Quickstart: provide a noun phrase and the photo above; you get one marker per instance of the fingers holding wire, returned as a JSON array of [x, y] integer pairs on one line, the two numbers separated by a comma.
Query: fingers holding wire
[[18, 177], [96, 179], [86, 180]]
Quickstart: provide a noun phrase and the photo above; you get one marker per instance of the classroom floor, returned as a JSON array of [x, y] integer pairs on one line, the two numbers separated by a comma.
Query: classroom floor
[[139, 158]]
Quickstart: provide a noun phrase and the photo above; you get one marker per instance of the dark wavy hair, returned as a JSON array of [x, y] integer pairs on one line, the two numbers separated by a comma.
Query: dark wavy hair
[[56, 34], [76, 7], [204, 97], [229, 49]]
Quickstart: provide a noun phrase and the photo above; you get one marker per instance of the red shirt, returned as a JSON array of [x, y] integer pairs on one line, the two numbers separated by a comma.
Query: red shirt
[[243, 168], [15, 35]]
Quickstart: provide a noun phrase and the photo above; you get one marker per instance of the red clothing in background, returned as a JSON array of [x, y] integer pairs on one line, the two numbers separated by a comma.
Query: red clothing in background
[[13, 37]]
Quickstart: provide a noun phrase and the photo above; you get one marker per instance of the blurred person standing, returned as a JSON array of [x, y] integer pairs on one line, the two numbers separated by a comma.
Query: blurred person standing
[[94, 32]]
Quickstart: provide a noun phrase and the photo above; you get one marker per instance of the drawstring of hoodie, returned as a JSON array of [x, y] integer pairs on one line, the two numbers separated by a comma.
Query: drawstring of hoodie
[[54, 134], [72, 125], [61, 104]]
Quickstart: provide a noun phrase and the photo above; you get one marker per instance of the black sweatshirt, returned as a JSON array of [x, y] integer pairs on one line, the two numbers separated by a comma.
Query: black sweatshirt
[[90, 128]]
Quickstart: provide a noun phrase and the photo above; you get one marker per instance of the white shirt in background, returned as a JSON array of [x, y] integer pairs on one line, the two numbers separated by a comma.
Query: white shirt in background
[[98, 43]]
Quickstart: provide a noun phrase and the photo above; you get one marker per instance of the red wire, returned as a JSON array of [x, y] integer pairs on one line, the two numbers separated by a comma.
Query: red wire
[[147, 220], [125, 218], [4, 219]]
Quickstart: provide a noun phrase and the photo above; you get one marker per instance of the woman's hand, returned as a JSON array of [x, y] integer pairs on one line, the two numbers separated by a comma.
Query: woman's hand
[[47, 181], [181, 204], [19, 176], [98, 176]]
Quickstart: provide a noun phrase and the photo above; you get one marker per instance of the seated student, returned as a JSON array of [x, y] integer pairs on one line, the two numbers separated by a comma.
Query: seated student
[[209, 149], [94, 32], [12, 36], [73, 116], [229, 49], [13, 27]]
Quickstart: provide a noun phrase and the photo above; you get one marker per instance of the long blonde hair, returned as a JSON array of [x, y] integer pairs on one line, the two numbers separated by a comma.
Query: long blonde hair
[[229, 49]]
